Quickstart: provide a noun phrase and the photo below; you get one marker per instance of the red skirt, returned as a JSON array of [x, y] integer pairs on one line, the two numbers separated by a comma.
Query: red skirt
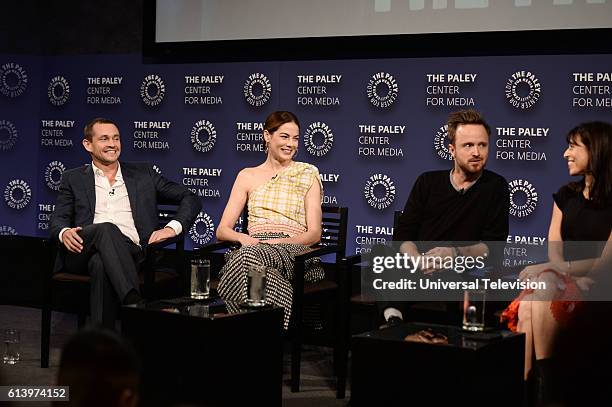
[[563, 309]]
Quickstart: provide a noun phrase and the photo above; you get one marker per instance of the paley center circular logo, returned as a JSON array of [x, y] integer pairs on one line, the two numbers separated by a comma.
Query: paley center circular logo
[[318, 139], [202, 230], [382, 89], [8, 135], [7, 231], [203, 144], [17, 194], [523, 89], [58, 91], [257, 89], [379, 191], [441, 142], [13, 79], [523, 198], [53, 174], [152, 90]]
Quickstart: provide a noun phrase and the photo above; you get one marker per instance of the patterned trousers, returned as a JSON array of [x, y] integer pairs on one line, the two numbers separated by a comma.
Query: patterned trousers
[[279, 259]]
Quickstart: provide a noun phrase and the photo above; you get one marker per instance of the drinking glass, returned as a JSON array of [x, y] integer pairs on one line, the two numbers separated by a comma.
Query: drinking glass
[[256, 286], [474, 310], [11, 346], [200, 279]]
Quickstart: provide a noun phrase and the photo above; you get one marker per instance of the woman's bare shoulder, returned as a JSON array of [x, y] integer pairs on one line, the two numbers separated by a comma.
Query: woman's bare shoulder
[[248, 172], [249, 175]]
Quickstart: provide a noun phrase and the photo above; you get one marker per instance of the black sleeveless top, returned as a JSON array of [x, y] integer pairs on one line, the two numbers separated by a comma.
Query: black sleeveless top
[[582, 221]]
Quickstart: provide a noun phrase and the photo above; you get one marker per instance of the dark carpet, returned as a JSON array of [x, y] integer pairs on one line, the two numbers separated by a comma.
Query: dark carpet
[[318, 387]]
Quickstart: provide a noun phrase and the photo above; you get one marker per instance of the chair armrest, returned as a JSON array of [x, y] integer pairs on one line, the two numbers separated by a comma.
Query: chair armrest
[[213, 247], [317, 251], [352, 260], [164, 243]]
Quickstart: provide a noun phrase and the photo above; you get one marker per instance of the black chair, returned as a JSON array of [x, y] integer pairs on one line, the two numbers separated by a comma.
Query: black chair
[[161, 274], [333, 241]]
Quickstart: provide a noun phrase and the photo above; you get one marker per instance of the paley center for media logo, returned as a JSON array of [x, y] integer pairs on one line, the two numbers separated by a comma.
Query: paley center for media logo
[[382, 90], [376, 184], [203, 136], [53, 174], [6, 230], [8, 135], [13, 79], [523, 89], [58, 90], [518, 188], [316, 132], [441, 143], [202, 230], [152, 90], [257, 89], [17, 194]]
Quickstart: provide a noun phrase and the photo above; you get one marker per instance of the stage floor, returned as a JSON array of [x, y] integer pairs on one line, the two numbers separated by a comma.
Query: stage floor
[[317, 385]]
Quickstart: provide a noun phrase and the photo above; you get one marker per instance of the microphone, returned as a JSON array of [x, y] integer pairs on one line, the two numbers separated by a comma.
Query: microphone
[[111, 192], [462, 191]]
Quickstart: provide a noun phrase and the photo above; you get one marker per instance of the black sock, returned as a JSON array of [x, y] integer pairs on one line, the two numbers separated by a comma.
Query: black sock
[[132, 298]]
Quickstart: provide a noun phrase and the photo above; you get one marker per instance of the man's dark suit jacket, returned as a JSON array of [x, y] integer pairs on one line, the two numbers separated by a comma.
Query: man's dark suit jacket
[[76, 200]]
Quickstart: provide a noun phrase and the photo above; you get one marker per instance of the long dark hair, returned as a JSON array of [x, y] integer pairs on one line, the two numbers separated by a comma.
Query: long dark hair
[[597, 138]]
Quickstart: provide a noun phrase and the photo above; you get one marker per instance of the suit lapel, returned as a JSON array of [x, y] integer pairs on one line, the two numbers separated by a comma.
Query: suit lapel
[[90, 187], [130, 184]]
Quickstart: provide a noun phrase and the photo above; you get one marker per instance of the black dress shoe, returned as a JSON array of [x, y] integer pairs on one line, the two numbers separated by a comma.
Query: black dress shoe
[[133, 298], [391, 322]]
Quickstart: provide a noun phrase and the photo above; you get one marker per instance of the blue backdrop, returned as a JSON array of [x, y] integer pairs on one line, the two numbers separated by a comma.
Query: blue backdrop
[[371, 126]]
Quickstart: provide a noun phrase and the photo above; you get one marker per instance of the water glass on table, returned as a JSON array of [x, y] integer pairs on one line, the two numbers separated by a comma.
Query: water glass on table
[[474, 310], [256, 286], [200, 279], [11, 346]]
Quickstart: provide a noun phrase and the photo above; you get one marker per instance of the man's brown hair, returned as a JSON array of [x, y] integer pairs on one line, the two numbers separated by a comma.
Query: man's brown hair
[[88, 130], [470, 116]]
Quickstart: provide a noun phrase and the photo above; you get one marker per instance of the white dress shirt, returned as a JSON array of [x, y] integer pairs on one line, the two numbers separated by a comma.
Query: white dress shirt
[[113, 206]]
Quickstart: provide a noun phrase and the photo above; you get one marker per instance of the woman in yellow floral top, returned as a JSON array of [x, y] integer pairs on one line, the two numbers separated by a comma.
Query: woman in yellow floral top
[[284, 217]]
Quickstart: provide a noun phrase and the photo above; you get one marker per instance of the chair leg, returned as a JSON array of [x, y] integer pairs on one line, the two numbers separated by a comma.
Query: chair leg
[[298, 325], [296, 358], [341, 348], [341, 359], [342, 363], [296, 348], [45, 336]]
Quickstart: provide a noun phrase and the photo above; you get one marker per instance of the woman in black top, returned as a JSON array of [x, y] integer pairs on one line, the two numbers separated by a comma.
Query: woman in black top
[[582, 211]]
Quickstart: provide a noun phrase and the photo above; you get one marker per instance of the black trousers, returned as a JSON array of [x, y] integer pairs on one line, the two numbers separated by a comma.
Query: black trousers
[[112, 261]]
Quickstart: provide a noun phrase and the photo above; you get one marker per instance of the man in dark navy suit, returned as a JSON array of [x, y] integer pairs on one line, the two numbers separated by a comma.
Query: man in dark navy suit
[[106, 213]]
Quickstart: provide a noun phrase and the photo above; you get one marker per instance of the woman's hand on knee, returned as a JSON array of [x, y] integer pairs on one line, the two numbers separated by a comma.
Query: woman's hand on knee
[[246, 240], [584, 283], [531, 272]]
